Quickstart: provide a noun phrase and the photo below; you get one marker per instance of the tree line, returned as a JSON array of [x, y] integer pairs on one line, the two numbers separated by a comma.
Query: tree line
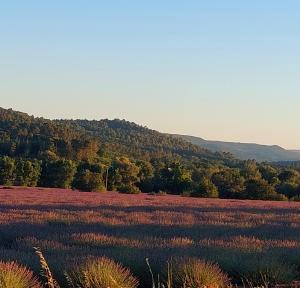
[[249, 181]]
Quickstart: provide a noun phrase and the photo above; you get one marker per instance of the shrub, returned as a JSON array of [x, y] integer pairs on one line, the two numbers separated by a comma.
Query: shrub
[[102, 273], [195, 273], [13, 275], [7, 171], [129, 189]]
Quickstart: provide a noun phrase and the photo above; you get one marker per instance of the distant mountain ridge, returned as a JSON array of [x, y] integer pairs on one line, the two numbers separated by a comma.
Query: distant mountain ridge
[[245, 151]]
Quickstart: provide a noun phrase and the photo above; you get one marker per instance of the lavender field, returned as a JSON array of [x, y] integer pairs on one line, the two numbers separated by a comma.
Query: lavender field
[[247, 239]]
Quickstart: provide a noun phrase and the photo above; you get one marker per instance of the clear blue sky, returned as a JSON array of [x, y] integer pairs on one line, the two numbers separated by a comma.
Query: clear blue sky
[[227, 70]]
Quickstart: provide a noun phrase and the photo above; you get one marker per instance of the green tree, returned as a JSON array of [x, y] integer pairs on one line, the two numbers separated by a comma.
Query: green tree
[[146, 176], [174, 178], [204, 171], [28, 172], [7, 170], [86, 180], [229, 183], [269, 173], [249, 170], [206, 189], [289, 189], [290, 180], [58, 174], [289, 175], [124, 175], [261, 189]]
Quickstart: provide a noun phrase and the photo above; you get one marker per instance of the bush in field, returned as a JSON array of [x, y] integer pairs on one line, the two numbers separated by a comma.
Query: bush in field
[[13, 275], [102, 273], [195, 273], [7, 171]]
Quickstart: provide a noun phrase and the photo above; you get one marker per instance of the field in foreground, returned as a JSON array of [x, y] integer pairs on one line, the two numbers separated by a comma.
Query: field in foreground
[[246, 238]]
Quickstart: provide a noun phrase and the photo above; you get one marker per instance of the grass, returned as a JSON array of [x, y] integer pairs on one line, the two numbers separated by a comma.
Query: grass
[[252, 241], [194, 273], [13, 275], [101, 273]]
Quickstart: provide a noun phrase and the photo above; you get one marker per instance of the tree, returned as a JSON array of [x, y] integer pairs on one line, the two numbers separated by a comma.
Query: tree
[[290, 180], [86, 150], [249, 170], [58, 174], [86, 180], [7, 171], [146, 176], [174, 178], [229, 183], [289, 175], [269, 173], [206, 189], [206, 171], [125, 175], [289, 189], [260, 189], [28, 172]]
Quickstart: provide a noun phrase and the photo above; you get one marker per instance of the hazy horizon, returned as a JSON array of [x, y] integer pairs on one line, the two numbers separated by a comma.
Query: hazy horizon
[[219, 71]]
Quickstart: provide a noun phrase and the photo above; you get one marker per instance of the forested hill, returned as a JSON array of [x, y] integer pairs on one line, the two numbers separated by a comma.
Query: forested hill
[[26, 136], [22, 135], [143, 143]]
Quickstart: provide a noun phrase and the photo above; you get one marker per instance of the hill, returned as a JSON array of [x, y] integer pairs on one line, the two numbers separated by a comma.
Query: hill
[[26, 136], [141, 142], [22, 135], [246, 151]]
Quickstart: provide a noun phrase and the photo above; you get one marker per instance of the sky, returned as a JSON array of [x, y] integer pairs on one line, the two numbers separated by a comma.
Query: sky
[[222, 70]]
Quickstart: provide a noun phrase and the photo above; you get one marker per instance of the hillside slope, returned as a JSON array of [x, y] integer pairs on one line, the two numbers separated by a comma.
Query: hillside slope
[[22, 135], [141, 142], [245, 151]]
